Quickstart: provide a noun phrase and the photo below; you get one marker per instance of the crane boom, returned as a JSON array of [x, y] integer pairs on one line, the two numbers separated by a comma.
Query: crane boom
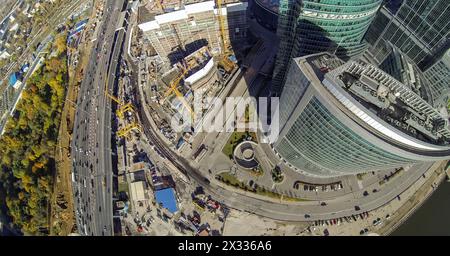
[[225, 62], [222, 27], [173, 88]]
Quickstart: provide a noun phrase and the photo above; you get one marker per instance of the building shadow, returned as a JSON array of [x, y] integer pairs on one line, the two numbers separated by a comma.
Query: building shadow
[[272, 51], [180, 52]]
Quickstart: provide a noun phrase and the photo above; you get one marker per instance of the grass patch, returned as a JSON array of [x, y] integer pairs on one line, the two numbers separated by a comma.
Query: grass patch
[[235, 139], [229, 179]]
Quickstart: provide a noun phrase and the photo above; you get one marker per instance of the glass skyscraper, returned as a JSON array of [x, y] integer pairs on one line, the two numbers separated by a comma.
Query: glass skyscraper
[[398, 65], [341, 118], [418, 28], [313, 26], [438, 80]]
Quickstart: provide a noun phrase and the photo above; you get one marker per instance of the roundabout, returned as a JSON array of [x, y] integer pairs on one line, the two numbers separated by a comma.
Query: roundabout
[[244, 155]]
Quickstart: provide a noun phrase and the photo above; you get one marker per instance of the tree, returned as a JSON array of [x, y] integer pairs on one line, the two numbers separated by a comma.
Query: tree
[[28, 143], [60, 44]]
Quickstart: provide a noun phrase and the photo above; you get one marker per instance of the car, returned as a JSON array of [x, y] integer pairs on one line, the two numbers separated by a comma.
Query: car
[[307, 216], [323, 204], [357, 208]]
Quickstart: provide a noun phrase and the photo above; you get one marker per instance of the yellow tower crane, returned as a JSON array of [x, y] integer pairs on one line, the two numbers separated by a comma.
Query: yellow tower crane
[[128, 128], [226, 52], [159, 4], [124, 132], [174, 88], [124, 108], [113, 98]]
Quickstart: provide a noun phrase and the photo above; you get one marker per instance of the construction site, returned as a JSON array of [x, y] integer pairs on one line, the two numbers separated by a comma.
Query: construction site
[[185, 47], [172, 53]]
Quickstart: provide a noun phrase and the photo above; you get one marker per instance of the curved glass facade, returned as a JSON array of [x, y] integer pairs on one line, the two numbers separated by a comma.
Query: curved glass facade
[[265, 12], [320, 144], [312, 26]]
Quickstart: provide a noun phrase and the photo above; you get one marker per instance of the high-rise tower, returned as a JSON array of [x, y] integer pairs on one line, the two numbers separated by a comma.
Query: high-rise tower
[[418, 28], [438, 80], [313, 26], [341, 118]]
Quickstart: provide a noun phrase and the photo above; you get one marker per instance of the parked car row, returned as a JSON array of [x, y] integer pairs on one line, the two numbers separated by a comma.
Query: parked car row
[[338, 221], [314, 187]]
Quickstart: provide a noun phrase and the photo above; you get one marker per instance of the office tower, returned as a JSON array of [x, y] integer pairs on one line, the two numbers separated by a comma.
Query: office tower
[[419, 28], [438, 80], [311, 26], [399, 66], [265, 12], [341, 118]]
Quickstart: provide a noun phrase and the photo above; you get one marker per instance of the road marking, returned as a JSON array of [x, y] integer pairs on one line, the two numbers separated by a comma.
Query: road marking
[[360, 185]]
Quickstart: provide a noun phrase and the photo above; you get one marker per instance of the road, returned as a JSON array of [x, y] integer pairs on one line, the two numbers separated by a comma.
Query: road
[[298, 211], [350, 204], [91, 147]]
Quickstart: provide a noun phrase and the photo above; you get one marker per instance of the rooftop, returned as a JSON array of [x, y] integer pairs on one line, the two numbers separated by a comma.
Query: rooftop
[[166, 197], [386, 98], [137, 191], [13, 78], [272, 5], [188, 10]]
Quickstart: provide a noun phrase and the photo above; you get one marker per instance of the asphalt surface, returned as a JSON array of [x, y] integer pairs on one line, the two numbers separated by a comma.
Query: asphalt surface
[[91, 148], [93, 165], [350, 204]]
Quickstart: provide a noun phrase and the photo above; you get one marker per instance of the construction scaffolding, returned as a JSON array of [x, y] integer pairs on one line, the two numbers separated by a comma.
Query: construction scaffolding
[[176, 34]]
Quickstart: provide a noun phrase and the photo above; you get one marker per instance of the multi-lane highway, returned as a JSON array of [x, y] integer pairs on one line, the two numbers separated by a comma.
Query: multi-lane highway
[[91, 148]]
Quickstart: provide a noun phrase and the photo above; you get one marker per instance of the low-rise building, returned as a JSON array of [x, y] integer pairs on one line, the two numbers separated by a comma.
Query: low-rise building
[[15, 80], [4, 54], [137, 191], [166, 198]]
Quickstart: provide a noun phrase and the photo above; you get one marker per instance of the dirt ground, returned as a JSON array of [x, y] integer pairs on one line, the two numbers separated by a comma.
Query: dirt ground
[[245, 224]]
